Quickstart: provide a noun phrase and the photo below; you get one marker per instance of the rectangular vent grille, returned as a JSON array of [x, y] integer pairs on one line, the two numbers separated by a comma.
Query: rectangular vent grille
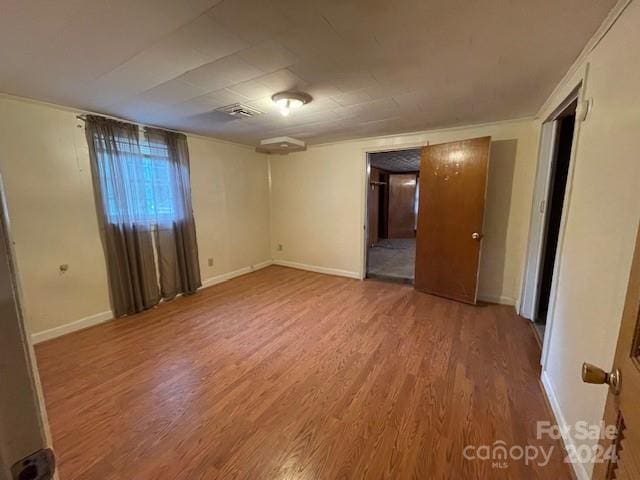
[[240, 110]]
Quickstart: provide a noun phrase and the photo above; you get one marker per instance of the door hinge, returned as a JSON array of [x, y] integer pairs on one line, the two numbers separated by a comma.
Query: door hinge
[[542, 205], [39, 465]]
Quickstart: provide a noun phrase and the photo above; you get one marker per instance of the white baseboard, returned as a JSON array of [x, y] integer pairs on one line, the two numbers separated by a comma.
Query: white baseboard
[[500, 299], [71, 327], [317, 269], [578, 468], [106, 316], [223, 277]]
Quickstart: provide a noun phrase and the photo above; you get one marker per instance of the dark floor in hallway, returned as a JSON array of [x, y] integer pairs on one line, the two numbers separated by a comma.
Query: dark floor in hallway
[[393, 258]]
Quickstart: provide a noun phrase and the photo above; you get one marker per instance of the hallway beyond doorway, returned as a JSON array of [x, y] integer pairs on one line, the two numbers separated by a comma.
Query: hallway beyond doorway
[[393, 259]]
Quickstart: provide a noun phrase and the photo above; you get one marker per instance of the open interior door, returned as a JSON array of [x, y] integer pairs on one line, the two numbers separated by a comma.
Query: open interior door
[[453, 179], [25, 451], [620, 453]]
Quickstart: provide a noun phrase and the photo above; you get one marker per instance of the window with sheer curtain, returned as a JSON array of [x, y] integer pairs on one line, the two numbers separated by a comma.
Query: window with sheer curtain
[[143, 194], [146, 173]]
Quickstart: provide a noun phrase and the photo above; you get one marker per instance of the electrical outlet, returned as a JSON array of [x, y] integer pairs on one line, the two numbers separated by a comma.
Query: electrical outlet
[[210, 262], [280, 247]]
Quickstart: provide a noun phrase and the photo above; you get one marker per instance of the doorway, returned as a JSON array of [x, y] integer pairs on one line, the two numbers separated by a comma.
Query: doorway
[[392, 207], [565, 125]]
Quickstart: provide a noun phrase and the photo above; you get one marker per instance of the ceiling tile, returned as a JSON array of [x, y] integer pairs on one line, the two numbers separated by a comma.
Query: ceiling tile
[[171, 92], [254, 20], [313, 38], [352, 98], [269, 56], [351, 80], [282, 80], [208, 38], [324, 89], [251, 89], [397, 160], [142, 72], [316, 69], [221, 73]]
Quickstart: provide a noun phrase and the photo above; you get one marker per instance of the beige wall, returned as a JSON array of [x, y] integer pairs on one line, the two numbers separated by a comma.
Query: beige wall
[[602, 220], [230, 193], [318, 204], [45, 167]]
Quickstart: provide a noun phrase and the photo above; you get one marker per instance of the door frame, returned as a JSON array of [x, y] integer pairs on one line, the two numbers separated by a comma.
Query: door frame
[[539, 221], [535, 246], [364, 214], [31, 401]]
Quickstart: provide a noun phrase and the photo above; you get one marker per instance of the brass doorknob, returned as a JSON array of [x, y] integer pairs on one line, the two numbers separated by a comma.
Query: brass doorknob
[[593, 374], [476, 236]]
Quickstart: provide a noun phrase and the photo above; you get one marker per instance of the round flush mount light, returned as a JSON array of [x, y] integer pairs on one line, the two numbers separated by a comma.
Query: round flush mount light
[[287, 101]]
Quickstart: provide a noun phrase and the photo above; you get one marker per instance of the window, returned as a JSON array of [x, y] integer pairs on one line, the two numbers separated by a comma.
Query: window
[[142, 185], [144, 190]]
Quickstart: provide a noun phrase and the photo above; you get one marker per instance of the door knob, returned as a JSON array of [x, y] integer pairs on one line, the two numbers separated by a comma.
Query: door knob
[[476, 236], [593, 374]]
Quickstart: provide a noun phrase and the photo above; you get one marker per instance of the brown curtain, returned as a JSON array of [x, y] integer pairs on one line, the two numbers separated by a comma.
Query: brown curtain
[[144, 208], [114, 148], [176, 240]]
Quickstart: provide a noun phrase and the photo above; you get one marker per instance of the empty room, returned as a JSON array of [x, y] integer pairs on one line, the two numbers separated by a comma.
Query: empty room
[[293, 239]]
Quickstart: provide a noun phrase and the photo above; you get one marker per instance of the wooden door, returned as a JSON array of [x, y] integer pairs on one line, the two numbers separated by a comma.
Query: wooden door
[[623, 410], [402, 200], [453, 178]]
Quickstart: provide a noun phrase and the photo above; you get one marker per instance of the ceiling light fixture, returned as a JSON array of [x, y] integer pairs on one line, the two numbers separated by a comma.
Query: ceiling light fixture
[[287, 101]]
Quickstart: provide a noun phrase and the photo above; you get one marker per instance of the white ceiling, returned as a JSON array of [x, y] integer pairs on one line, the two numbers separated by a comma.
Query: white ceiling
[[374, 67], [397, 161]]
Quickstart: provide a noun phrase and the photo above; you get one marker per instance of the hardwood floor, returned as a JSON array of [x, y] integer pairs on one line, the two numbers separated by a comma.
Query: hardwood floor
[[285, 374]]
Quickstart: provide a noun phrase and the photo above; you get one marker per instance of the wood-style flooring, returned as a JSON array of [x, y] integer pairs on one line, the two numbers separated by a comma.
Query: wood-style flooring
[[286, 374]]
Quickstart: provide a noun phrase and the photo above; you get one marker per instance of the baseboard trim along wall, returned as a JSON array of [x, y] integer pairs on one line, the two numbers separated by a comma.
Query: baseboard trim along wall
[[578, 468], [499, 299], [317, 269], [102, 317], [223, 277], [81, 324]]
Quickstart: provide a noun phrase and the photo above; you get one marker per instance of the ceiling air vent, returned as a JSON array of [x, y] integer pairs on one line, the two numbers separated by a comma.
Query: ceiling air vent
[[239, 110]]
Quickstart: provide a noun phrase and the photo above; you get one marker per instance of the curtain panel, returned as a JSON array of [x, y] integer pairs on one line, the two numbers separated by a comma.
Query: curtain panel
[[143, 201], [176, 240]]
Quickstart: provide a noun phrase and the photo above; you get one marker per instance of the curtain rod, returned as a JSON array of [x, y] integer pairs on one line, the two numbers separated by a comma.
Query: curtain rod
[[83, 117]]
